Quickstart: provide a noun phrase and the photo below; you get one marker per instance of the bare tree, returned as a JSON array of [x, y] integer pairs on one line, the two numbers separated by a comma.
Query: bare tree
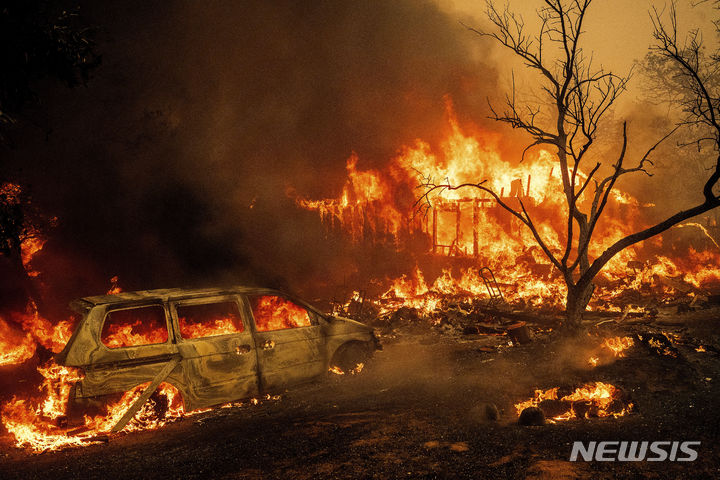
[[578, 97]]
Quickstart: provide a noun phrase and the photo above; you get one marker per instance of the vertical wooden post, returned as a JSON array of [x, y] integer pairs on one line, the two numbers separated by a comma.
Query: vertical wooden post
[[527, 194], [434, 233], [457, 225], [476, 214]]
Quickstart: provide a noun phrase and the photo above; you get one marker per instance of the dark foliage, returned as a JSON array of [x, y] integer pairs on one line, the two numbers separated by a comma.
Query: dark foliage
[[40, 39]]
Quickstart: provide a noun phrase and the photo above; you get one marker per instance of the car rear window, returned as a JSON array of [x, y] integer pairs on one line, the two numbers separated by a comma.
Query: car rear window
[[209, 319], [134, 326], [272, 312]]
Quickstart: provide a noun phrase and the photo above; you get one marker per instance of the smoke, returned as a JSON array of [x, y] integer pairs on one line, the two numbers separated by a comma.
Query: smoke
[[460, 378], [171, 167]]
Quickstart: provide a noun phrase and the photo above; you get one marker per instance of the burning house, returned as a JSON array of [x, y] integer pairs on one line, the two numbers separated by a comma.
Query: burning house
[[457, 233]]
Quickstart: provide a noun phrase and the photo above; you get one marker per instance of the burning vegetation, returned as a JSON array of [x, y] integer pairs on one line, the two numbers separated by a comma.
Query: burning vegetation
[[488, 253]]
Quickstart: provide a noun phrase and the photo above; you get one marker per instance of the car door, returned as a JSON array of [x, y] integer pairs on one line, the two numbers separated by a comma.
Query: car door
[[217, 348], [289, 341], [134, 345]]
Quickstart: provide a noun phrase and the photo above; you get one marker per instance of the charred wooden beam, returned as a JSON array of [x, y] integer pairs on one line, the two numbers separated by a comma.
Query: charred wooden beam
[[130, 413]]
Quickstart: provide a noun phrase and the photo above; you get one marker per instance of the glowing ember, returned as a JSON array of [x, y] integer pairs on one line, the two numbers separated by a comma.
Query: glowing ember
[[354, 371], [595, 399], [617, 345], [661, 347], [593, 361]]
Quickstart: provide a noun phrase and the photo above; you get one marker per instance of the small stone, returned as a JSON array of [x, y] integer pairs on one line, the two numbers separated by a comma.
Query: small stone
[[485, 412], [582, 409], [531, 416], [491, 412]]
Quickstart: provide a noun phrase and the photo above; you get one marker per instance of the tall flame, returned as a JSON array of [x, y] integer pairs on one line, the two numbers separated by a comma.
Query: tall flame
[[380, 204]]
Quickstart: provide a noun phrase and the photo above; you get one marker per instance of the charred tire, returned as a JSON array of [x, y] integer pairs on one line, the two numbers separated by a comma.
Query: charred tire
[[350, 354]]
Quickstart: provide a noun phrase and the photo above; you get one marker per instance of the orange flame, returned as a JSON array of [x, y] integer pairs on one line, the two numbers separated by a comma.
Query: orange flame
[[617, 345], [598, 395], [380, 204], [21, 333], [31, 422], [15, 346], [114, 286], [218, 326], [275, 313], [539, 396]]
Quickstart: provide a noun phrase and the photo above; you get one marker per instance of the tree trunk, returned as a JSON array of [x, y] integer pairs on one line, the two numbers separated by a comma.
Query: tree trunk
[[28, 285], [578, 297]]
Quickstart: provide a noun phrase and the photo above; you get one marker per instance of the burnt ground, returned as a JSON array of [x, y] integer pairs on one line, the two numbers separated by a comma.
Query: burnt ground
[[417, 412]]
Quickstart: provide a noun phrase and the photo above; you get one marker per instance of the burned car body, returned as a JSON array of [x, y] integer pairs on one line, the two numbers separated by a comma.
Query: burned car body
[[213, 345]]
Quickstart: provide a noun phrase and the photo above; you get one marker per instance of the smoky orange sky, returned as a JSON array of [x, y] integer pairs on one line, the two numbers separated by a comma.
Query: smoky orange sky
[[618, 31]]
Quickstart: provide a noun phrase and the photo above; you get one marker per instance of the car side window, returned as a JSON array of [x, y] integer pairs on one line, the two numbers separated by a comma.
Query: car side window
[[209, 319], [134, 326], [272, 312]]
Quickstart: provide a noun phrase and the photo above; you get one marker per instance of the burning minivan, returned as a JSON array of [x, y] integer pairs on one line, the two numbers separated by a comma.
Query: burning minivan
[[213, 345]]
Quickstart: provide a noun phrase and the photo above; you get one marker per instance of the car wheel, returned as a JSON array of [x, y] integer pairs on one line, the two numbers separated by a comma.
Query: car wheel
[[350, 358]]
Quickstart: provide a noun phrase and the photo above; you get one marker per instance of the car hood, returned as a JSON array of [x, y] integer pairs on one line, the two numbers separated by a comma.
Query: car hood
[[341, 325]]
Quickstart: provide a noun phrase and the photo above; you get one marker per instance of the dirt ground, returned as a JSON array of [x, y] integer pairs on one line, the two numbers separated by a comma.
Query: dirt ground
[[417, 411]]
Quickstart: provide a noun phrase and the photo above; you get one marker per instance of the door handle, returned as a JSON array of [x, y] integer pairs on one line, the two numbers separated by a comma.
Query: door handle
[[242, 349], [268, 345]]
